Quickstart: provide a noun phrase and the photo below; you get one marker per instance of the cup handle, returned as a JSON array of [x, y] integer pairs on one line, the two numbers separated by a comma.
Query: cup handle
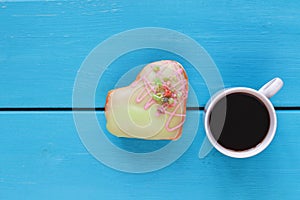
[[271, 88]]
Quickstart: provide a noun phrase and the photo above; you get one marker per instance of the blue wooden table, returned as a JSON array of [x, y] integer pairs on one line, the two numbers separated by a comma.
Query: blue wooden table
[[42, 46]]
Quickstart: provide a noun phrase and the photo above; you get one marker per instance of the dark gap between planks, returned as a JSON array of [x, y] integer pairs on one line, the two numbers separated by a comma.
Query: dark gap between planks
[[102, 109]]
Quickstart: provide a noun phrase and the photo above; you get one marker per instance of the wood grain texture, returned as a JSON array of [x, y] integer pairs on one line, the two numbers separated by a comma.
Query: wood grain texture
[[43, 43], [43, 158]]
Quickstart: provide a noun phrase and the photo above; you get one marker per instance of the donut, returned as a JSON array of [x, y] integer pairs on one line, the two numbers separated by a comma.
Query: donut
[[152, 107]]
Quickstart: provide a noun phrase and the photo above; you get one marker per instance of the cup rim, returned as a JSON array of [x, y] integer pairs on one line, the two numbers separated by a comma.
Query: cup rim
[[252, 151]]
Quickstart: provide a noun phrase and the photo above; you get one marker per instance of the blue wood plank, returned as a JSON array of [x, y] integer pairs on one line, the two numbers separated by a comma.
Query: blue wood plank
[[43, 158], [43, 43]]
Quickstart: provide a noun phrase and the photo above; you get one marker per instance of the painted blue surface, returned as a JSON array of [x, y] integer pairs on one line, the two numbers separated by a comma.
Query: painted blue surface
[[42, 157], [42, 45]]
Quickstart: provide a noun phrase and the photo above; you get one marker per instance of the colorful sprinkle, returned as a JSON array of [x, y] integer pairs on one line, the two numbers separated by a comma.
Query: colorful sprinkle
[[156, 68], [164, 94], [156, 97], [167, 93], [171, 100], [157, 82], [164, 100]]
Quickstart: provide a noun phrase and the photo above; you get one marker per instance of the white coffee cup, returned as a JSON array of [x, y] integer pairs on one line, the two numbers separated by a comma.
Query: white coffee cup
[[263, 94]]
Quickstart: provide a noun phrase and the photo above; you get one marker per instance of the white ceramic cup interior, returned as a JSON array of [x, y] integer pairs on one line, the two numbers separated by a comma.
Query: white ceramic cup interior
[[263, 94]]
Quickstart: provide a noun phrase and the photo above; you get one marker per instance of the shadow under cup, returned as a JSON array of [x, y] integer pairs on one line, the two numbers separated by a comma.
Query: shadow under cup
[[240, 122]]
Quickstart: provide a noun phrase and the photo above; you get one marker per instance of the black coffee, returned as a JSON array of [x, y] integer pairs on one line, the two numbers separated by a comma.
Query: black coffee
[[242, 125]]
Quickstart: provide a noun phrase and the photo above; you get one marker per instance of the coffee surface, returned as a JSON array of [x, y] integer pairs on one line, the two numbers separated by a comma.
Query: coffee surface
[[239, 121]]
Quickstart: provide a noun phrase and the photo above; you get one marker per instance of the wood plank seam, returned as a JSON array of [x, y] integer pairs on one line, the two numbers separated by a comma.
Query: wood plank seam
[[29, 109]]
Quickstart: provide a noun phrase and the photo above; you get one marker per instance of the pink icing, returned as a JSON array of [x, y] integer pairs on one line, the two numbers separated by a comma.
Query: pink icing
[[149, 89]]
